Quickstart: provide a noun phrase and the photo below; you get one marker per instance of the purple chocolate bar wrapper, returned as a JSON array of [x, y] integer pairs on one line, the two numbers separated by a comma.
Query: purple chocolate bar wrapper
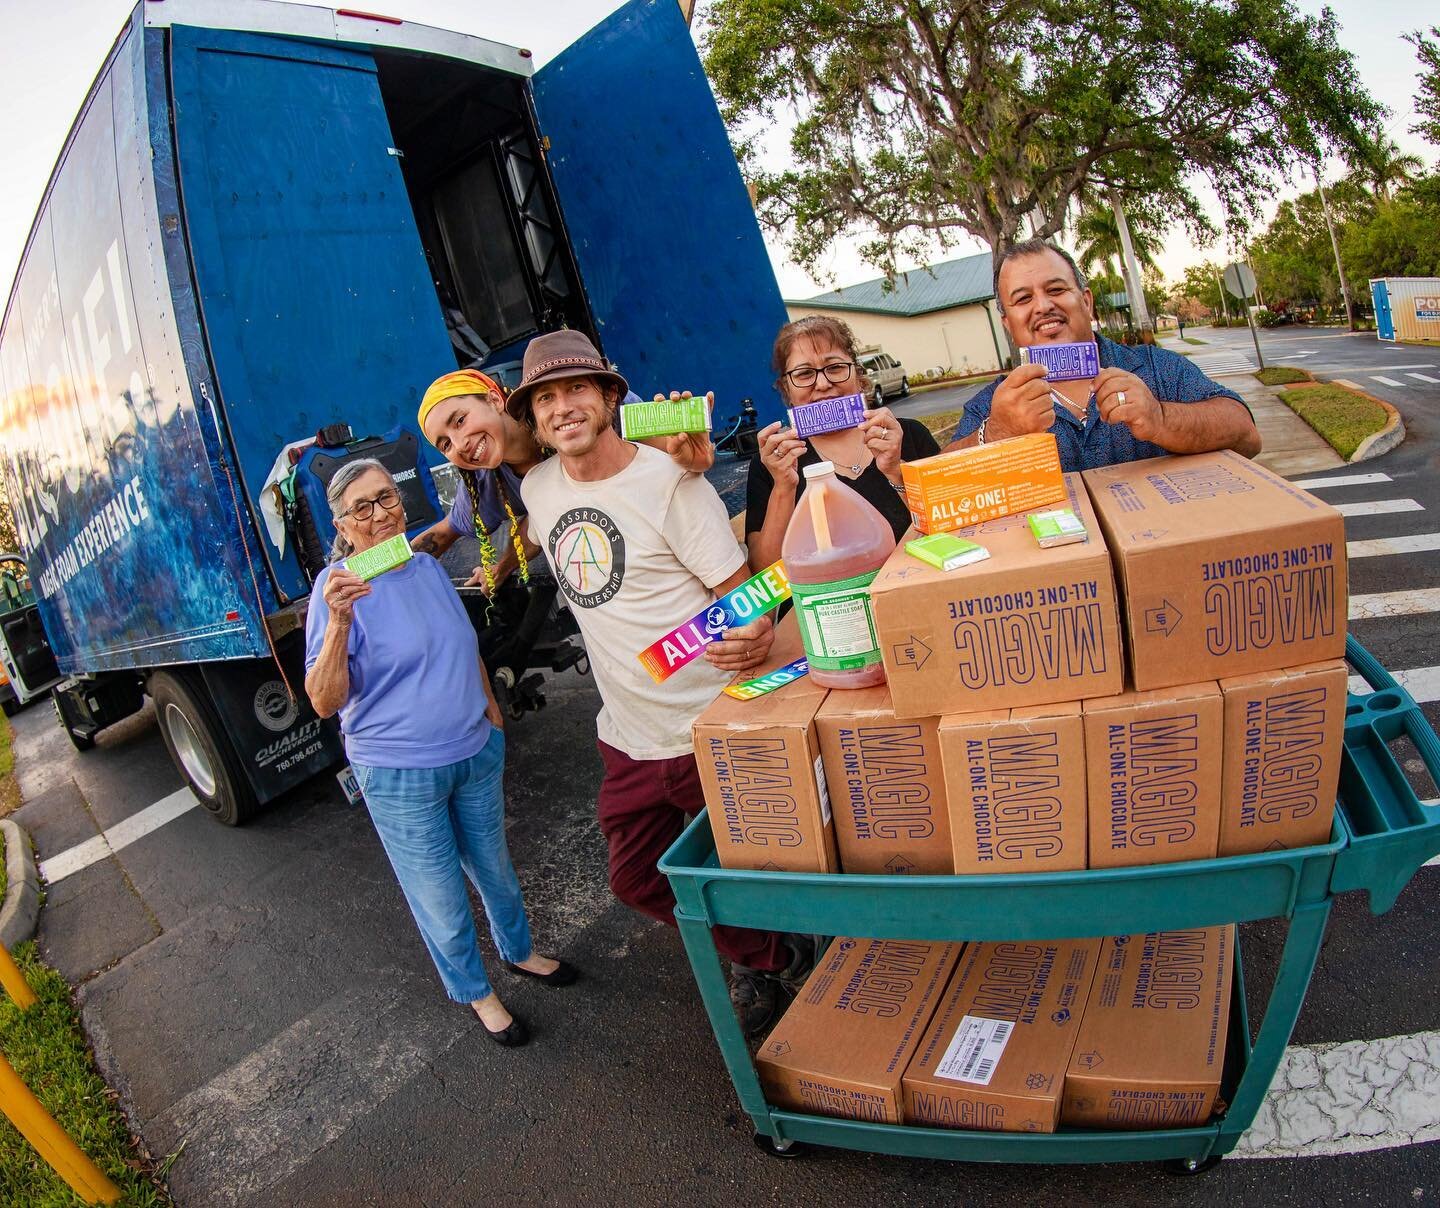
[[828, 415], [1064, 362]]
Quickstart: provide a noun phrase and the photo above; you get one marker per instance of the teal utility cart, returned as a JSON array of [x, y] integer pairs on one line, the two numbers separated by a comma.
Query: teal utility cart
[[1383, 833]]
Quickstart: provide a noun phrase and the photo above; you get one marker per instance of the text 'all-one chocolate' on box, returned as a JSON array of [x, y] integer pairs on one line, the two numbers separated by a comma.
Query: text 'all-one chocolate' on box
[[761, 771], [1027, 626], [886, 785], [1224, 568]]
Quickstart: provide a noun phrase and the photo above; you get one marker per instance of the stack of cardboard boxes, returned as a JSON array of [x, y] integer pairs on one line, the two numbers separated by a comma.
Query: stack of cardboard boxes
[[1169, 689]]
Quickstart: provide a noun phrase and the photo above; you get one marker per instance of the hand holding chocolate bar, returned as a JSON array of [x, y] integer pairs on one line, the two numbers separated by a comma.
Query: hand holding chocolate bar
[[1122, 398], [780, 453], [882, 436], [1022, 405]]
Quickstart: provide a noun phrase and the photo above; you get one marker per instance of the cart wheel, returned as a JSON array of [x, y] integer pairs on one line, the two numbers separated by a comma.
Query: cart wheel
[[779, 1149], [1184, 1167]]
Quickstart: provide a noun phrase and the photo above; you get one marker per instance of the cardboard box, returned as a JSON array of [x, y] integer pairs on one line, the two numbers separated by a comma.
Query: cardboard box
[[886, 785], [996, 1053], [967, 486], [1151, 1047], [1015, 781], [1283, 735], [760, 766], [1027, 626], [1154, 761], [842, 1046], [1224, 568]]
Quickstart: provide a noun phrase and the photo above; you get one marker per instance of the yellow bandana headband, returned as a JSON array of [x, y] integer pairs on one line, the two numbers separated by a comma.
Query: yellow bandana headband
[[455, 385]]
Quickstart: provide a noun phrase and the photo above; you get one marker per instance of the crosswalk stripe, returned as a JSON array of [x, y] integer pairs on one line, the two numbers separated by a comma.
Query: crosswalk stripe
[[1425, 377], [1342, 480], [1394, 603], [1388, 381], [1423, 683], [1416, 543], [121, 835], [1378, 507], [1348, 383]]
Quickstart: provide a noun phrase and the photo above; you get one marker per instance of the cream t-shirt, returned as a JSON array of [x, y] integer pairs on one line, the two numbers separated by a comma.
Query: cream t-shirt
[[636, 555]]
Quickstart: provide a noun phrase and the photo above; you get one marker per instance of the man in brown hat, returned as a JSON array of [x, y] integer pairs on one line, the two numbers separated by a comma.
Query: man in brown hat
[[639, 546]]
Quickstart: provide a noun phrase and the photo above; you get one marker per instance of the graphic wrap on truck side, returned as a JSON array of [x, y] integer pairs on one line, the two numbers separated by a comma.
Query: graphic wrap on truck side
[[115, 503]]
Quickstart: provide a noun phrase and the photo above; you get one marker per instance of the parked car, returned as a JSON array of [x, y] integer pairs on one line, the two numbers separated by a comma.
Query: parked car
[[886, 374]]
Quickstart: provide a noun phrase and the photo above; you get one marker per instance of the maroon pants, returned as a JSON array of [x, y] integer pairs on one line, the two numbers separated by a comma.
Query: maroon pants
[[643, 806]]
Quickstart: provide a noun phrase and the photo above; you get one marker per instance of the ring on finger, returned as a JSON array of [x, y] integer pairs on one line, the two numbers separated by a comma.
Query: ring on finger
[[1120, 397]]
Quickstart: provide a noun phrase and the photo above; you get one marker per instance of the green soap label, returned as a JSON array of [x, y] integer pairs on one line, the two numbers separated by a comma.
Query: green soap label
[[836, 624], [379, 558], [640, 421]]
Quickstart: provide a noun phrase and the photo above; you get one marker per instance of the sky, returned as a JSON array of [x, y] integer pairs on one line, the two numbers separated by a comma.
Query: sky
[[49, 53]]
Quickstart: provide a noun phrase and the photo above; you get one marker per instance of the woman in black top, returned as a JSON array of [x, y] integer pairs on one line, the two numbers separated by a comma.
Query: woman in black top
[[815, 359]]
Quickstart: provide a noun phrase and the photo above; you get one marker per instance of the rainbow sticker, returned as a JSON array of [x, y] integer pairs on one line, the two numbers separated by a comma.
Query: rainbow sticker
[[755, 597], [768, 682]]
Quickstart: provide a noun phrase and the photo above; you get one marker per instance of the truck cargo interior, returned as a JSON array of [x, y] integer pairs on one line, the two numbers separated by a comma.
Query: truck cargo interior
[[485, 213]]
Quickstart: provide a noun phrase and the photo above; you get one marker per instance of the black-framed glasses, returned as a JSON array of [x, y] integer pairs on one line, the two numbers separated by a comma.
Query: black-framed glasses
[[365, 508], [835, 373]]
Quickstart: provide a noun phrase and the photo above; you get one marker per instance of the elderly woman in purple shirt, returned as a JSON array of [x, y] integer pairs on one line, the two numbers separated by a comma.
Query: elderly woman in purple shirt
[[398, 659]]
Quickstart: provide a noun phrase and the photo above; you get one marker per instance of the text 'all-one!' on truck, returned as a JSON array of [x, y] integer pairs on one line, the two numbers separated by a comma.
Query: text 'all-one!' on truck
[[270, 227]]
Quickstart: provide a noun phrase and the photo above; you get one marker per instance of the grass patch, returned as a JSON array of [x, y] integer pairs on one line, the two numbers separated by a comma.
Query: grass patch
[[1341, 416], [1282, 375], [942, 423], [49, 1052], [1193, 340], [9, 786]]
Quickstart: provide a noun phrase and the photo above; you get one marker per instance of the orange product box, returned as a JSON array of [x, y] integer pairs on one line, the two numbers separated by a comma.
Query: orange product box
[[968, 486]]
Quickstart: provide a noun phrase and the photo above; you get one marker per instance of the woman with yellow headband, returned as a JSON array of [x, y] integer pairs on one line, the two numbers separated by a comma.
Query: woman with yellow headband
[[463, 415]]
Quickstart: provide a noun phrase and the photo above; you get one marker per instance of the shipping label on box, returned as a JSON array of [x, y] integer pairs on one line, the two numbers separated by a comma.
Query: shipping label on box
[[1154, 761], [995, 1055], [1224, 568], [1027, 626], [887, 789], [1015, 782], [763, 778], [967, 486], [1151, 1046], [1283, 735], [842, 1046]]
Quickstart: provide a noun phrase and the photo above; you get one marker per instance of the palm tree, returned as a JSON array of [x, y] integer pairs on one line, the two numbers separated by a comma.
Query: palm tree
[[1097, 239], [1385, 166]]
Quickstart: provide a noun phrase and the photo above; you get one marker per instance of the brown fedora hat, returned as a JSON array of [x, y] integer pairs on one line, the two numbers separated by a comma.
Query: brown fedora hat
[[558, 354]]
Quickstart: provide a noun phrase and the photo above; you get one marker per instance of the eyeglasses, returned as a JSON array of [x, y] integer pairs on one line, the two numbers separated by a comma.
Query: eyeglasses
[[835, 373], [389, 500]]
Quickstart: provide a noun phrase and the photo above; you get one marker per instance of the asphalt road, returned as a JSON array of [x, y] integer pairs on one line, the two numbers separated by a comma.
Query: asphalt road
[[260, 996]]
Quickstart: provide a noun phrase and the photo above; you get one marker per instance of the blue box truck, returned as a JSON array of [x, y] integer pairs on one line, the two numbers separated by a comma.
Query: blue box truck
[[270, 221]]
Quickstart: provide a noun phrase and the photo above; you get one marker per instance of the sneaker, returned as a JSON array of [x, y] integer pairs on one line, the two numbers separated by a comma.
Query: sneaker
[[759, 996]]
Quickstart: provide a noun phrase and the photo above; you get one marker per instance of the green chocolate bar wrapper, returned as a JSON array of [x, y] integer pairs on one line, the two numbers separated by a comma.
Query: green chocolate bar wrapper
[[1058, 527], [379, 558], [640, 421], [945, 551]]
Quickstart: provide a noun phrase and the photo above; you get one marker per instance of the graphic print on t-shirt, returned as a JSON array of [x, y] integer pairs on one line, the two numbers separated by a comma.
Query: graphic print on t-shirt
[[589, 553]]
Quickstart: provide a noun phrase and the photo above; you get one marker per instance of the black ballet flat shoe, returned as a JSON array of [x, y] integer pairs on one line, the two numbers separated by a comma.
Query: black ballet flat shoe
[[564, 975], [511, 1037]]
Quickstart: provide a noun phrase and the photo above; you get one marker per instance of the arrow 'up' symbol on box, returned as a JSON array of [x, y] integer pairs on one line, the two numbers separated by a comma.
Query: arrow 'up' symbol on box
[[1163, 619], [912, 653]]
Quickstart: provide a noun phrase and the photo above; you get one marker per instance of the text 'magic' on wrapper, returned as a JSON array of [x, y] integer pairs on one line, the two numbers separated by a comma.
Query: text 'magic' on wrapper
[[379, 558], [755, 597], [1064, 362], [669, 417], [827, 415]]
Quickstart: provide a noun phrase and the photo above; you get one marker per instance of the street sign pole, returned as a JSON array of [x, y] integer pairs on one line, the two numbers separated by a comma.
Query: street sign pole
[[1240, 281]]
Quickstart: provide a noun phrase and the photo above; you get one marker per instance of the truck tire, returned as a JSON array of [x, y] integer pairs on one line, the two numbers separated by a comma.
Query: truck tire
[[81, 741], [199, 748]]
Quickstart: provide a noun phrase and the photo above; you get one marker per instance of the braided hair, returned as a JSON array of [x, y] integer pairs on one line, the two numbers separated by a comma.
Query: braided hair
[[470, 480]]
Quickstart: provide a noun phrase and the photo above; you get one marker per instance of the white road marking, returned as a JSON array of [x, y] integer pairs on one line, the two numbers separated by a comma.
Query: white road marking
[[1295, 356], [1378, 507], [1374, 368], [1348, 384], [1352, 1097], [1425, 377], [1416, 543], [1394, 604], [1342, 480], [1387, 381], [70, 861], [1423, 683]]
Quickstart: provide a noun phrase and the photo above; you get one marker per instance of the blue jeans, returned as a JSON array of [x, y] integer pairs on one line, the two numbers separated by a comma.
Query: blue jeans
[[439, 825]]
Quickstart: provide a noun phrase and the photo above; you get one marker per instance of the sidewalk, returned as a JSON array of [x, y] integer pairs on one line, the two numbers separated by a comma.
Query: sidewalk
[[1291, 446]]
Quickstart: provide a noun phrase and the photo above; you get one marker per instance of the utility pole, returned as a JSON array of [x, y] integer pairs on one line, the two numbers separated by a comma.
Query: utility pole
[[1335, 244], [1138, 310], [1225, 310]]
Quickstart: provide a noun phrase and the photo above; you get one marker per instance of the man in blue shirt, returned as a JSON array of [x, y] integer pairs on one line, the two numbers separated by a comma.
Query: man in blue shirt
[[1145, 401]]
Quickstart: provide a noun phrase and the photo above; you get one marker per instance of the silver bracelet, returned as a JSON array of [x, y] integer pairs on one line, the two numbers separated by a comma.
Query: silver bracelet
[[899, 487], [980, 431]]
